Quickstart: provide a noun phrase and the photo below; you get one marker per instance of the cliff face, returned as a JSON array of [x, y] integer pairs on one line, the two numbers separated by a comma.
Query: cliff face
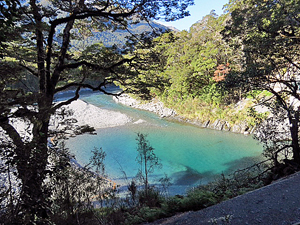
[[158, 107]]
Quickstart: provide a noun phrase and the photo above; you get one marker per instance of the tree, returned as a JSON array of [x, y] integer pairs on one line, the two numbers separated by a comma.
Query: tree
[[268, 33], [8, 15], [43, 40], [146, 159]]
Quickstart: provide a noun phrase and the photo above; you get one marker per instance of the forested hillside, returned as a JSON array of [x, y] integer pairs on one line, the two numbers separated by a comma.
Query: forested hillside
[[87, 41], [193, 72]]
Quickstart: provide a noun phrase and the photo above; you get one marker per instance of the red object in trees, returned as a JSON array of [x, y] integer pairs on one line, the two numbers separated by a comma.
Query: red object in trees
[[221, 72]]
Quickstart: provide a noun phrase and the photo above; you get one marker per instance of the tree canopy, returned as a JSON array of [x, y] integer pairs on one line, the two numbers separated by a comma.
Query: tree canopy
[[268, 33]]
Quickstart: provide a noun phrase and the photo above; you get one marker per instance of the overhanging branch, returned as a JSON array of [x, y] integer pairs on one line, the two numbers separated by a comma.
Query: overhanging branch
[[29, 69], [83, 14], [69, 101], [80, 86], [95, 66]]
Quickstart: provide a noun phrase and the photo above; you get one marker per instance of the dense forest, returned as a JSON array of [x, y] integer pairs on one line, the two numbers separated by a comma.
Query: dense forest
[[250, 53]]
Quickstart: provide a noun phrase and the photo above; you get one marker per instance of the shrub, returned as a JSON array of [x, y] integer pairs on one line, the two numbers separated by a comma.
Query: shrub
[[199, 199], [150, 197]]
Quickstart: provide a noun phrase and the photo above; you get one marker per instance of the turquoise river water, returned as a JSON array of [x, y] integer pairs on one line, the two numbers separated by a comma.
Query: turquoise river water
[[190, 155]]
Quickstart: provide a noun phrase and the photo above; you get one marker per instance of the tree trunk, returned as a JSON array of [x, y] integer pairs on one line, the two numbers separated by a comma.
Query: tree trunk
[[146, 174], [31, 165], [294, 129]]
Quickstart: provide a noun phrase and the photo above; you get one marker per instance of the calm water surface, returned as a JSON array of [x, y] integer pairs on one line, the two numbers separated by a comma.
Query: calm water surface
[[190, 155]]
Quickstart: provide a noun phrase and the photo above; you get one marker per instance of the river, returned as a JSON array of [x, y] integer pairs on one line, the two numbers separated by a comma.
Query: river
[[190, 155]]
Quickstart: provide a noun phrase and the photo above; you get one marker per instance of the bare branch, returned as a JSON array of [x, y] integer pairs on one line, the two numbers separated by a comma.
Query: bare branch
[[12, 132], [29, 69], [83, 14], [69, 101], [292, 62], [95, 66], [80, 86], [63, 52]]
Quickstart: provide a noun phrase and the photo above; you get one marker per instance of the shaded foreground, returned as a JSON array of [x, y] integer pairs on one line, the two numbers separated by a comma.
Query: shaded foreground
[[277, 203]]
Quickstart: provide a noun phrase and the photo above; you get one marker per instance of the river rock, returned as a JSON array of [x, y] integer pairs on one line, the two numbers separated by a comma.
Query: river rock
[[206, 123], [219, 125], [226, 126], [236, 128], [240, 128], [214, 125]]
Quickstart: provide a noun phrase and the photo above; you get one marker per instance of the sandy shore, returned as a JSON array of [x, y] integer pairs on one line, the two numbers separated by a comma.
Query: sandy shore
[[84, 114], [88, 114]]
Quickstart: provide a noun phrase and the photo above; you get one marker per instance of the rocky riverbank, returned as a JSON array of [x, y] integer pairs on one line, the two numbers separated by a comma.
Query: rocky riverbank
[[152, 106], [220, 125], [158, 107]]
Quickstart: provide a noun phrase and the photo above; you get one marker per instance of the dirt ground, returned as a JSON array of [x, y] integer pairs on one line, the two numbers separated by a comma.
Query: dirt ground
[[275, 204]]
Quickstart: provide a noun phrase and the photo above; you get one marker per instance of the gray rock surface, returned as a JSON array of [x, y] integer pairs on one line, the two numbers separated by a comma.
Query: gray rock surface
[[275, 204]]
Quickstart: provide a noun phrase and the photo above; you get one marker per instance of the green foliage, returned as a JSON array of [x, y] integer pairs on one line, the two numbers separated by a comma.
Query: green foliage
[[258, 94], [150, 197], [74, 188], [185, 61], [147, 160], [199, 199], [256, 118], [10, 12], [213, 95], [198, 110]]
